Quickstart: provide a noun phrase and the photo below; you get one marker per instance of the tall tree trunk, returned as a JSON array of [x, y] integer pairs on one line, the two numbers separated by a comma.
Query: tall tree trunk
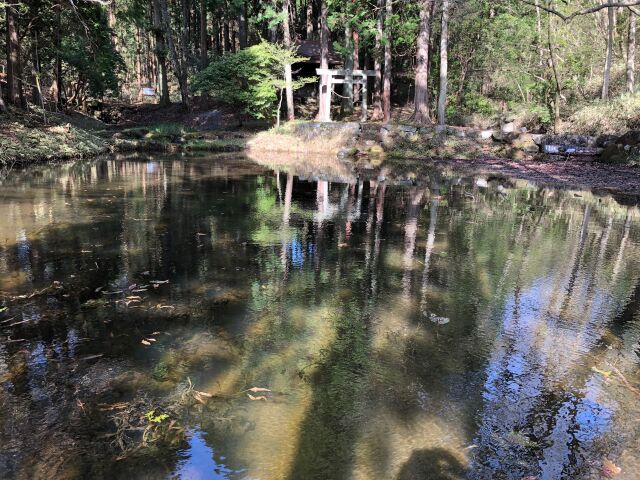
[[14, 73], [539, 32], [377, 65], [161, 54], [444, 63], [386, 86], [355, 35], [309, 20], [552, 61], [631, 53], [56, 86], [347, 93], [138, 63], [287, 68], [242, 26], [227, 36], [324, 111], [273, 29], [204, 58], [607, 64], [421, 97]]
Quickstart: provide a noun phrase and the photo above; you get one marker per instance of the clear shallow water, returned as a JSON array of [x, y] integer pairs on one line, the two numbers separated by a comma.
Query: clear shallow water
[[447, 328]]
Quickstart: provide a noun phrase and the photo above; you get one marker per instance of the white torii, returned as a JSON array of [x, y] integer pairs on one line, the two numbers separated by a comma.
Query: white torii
[[351, 77]]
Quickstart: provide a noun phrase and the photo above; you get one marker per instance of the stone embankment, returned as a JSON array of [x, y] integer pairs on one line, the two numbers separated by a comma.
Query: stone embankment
[[410, 141]]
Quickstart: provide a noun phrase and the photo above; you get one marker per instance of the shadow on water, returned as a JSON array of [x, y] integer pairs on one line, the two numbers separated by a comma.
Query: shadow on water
[[329, 432], [434, 464]]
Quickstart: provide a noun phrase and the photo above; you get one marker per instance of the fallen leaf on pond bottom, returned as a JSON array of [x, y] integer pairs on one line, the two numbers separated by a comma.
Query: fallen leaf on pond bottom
[[258, 389], [203, 394], [251, 397], [604, 373], [609, 469], [144, 342]]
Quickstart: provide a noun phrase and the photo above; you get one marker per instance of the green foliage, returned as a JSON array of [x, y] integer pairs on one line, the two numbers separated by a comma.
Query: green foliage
[[251, 78], [153, 418], [475, 103], [91, 55]]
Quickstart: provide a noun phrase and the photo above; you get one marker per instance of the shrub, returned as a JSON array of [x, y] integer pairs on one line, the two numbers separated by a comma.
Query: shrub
[[252, 79], [476, 103]]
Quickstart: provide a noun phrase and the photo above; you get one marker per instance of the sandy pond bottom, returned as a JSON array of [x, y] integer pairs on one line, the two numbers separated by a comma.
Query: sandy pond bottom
[[216, 319]]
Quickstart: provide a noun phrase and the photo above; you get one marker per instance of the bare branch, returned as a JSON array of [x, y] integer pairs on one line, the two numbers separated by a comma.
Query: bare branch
[[586, 11]]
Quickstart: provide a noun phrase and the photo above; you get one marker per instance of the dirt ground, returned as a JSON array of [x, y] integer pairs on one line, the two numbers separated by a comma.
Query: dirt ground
[[566, 172]]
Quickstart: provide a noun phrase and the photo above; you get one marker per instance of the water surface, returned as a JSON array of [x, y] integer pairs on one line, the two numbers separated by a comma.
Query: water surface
[[447, 327]]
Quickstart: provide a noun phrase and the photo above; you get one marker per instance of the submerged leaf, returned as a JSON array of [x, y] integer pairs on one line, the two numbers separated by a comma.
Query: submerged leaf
[[609, 469], [604, 373], [144, 342], [258, 389], [252, 398]]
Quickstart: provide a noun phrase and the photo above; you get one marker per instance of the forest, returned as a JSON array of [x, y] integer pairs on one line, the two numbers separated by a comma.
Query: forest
[[447, 61]]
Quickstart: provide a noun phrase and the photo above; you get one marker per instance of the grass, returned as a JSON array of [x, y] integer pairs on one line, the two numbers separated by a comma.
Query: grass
[[24, 139], [613, 117], [294, 137]]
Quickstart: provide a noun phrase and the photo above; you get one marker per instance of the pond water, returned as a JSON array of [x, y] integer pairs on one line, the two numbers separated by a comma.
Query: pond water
[[212, 318]]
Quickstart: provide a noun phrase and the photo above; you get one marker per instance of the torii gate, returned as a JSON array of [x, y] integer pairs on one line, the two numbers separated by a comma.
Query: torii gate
[[351, 77]]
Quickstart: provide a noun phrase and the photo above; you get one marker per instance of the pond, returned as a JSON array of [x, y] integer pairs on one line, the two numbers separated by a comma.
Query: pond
[[213, 318]]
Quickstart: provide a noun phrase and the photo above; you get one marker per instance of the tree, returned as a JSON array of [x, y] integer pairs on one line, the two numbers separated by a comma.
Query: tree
[[421, 97], [14, 70], [631, 53], [386, 85], [287, 66], [253, 78], [161, 53], [611, 25], [444, 63], [377, 64], [204, 58]]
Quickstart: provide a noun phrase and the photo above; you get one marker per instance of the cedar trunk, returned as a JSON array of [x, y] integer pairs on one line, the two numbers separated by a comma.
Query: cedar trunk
[[386, 87], [421, 98], [204, 57], [609, 57], [287, 68], [14, 84], [377, 65], [631, 53], [444, 63]]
